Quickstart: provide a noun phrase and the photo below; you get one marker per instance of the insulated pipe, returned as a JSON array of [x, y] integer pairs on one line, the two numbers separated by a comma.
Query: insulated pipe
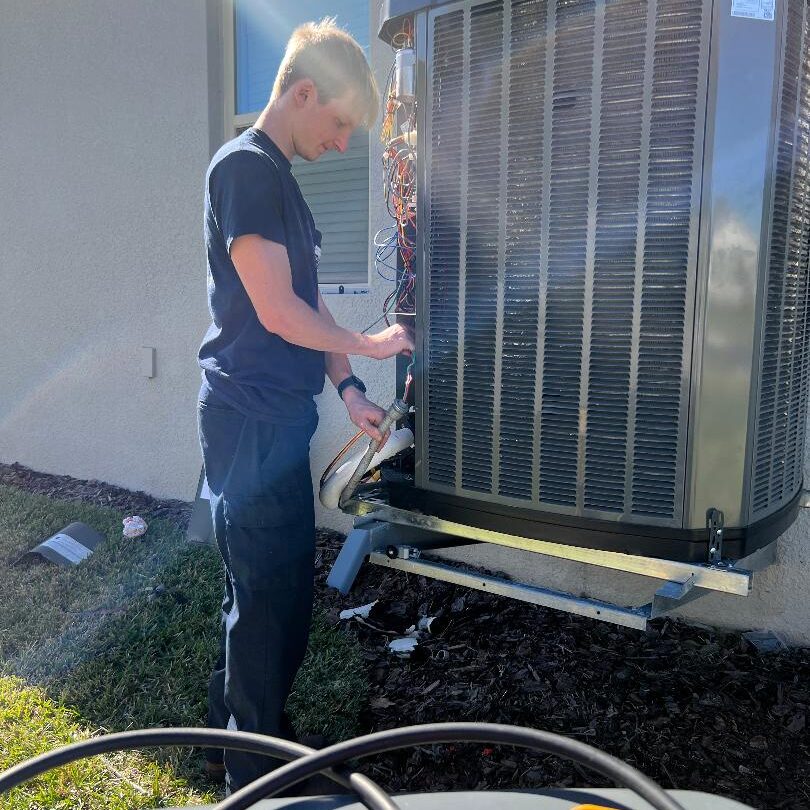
[[336, 481], [397, 410]]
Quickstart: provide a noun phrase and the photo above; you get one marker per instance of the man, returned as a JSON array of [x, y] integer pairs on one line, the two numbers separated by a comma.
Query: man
[[263, 359]]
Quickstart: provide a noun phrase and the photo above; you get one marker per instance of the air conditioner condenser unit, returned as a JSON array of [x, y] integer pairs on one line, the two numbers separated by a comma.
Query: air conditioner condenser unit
[[611, 272]]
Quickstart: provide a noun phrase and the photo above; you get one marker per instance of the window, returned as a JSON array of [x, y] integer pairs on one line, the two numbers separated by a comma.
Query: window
[[335, 186]]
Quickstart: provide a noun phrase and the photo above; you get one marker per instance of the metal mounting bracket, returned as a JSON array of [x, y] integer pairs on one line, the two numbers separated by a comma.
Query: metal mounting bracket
[[398, 539], [714, 527]]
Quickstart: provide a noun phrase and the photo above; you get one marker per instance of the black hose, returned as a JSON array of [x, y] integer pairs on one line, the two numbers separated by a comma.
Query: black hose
[[605, 764], [312, 761], [372, 796]]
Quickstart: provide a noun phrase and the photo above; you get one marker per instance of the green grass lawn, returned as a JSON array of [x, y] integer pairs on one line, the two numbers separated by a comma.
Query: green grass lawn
[[126, 640]]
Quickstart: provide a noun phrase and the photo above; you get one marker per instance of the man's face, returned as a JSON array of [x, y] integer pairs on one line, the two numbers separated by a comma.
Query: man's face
[[323, 127]]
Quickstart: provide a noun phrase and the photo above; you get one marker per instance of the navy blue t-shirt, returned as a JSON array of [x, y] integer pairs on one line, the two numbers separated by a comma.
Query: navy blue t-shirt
[[249, 189]]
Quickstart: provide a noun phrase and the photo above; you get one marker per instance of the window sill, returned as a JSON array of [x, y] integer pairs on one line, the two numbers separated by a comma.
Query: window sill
[[343, 289]]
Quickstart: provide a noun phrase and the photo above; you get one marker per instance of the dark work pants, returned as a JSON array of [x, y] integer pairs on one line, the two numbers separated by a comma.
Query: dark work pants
[[264, 523]]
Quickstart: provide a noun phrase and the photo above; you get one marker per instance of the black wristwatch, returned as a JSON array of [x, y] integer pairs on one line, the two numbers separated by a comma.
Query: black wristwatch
[[355, 381]]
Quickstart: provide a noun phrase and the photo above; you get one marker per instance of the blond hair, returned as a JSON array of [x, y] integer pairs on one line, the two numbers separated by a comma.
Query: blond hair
[[331, 58]]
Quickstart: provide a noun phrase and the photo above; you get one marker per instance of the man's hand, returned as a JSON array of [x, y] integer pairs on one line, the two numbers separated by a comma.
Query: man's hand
[[394, 340], [364, 413]]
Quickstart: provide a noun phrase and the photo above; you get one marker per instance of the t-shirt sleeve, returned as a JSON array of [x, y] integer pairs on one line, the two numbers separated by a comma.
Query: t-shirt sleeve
[[246, 197]]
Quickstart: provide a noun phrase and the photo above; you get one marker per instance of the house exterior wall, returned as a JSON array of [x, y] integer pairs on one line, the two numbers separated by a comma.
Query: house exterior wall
[[104, 117], [109, 113]]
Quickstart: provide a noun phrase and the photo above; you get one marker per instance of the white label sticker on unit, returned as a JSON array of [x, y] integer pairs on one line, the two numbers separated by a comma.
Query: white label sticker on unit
[[753, 9]]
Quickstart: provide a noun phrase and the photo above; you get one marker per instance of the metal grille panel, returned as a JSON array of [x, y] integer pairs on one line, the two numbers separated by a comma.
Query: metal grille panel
[[569, 167], [618, 195], [783, 387], [524, 183], [482, 242], [671, 188], [562, 141], [445, 234]]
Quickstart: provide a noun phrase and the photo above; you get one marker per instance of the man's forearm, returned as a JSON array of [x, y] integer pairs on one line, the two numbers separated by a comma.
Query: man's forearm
[[337, 367], [264, 270], [298, 323]]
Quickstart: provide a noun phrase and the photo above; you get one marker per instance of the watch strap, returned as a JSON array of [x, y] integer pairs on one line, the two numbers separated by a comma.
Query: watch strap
[[349, 381]]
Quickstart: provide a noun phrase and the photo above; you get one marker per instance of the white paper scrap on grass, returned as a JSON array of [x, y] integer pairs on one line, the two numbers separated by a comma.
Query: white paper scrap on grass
[[753, 9], [68, 548]]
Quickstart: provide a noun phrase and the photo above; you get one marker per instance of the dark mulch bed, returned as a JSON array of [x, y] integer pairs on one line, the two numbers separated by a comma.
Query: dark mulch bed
[[96, 492], [691, 707]]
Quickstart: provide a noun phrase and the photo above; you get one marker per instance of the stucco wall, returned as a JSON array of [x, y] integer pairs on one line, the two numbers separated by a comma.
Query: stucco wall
[[104, 131]]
